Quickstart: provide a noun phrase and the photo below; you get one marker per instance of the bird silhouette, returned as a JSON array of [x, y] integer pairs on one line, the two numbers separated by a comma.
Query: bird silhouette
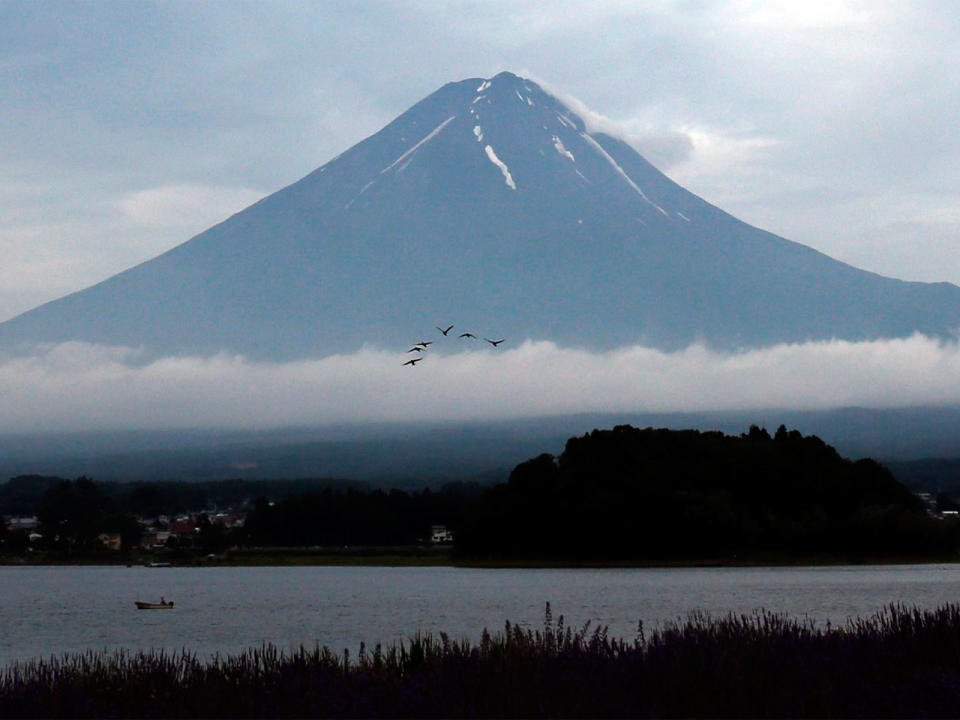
[[414, 361], [424, 344], [469, 335], [444, 331], [494, 342], [415, 348]]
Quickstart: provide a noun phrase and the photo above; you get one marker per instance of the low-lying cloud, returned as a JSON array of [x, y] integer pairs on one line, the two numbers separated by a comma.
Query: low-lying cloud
[[77, 386]]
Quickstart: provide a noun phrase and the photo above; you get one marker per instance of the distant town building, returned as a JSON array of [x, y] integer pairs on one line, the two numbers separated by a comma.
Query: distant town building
[[440, 534], [155, 539], [183, 527], [111, 541], [23, 523], [929, 501]]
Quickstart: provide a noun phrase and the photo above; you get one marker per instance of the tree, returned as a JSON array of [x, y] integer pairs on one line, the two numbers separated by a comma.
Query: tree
[[214, 537], [73, 514], [660, 494]]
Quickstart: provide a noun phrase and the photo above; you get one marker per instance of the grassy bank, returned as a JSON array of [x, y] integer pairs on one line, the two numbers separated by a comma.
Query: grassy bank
[[901, 663]]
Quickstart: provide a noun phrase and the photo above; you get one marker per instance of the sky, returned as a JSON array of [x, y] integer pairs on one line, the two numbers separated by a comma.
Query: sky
[[128, 127]]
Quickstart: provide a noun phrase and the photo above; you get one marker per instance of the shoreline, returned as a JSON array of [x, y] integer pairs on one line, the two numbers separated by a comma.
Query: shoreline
[[444, 557]]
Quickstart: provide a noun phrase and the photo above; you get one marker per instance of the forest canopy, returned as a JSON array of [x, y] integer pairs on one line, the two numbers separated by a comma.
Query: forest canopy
[[650, 494], [619, 495]]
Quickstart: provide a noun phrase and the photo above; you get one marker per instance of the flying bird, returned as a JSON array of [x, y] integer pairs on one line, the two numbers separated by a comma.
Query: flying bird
[[494, 342], [425, 343], [415, 348], [414, 361], [444, 331], [469, 335]]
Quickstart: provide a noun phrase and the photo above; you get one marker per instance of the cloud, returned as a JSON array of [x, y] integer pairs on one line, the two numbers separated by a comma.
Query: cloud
[[46, 256], [798, 14], [705, 150], [665, 147], [77, 386]]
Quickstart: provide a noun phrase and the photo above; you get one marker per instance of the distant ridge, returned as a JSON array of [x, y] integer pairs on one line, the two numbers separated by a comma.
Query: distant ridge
[[488, 204], [415, 454]]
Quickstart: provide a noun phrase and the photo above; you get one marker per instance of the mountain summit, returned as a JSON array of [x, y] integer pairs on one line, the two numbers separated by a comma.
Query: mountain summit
[[490, 205]]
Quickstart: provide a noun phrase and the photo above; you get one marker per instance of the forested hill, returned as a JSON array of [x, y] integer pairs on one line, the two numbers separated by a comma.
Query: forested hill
[[620, 495], [628, 493]]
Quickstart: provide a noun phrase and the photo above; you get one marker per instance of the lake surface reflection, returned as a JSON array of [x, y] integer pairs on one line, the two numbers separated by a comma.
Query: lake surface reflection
[[52, 610]]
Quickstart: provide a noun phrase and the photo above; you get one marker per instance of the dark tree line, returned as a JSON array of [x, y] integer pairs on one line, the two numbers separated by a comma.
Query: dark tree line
[[333, 518], [73, 514], [660, 494], [23, 495], [624, 493]]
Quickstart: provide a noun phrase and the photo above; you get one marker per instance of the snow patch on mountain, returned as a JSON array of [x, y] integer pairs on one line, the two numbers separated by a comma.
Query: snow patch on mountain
[[621, 171], [478, 132], [558, 144], [362, 191], [428, 138], [508, 178]]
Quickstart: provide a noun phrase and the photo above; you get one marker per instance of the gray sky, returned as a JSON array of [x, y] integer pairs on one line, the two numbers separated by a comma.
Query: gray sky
[[128, 127]]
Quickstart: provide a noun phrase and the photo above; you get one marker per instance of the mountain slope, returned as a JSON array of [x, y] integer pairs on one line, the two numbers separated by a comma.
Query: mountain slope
[[486, 204]]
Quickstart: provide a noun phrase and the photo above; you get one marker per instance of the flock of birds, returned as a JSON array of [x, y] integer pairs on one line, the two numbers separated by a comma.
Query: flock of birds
[[422, 346]]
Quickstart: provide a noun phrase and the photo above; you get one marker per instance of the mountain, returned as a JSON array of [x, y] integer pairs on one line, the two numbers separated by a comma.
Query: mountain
[[488, 204]]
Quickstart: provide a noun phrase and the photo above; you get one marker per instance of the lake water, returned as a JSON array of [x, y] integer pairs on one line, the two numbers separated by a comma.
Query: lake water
[[53, 610]]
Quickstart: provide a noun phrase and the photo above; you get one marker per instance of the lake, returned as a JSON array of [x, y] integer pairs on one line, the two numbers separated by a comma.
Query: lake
[[52, 610]]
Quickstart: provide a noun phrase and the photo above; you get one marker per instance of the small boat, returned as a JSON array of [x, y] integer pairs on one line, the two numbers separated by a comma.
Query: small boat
[[162, 605]]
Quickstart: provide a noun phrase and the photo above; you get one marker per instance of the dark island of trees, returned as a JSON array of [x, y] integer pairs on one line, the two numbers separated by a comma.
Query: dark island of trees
[[662, 494], [621, 495]]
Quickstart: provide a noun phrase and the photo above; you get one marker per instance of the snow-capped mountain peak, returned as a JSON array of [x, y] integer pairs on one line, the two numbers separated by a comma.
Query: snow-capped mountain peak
[[489, 203]]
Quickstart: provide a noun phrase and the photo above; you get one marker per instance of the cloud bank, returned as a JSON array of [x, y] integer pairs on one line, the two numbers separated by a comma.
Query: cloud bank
[[76, 386]]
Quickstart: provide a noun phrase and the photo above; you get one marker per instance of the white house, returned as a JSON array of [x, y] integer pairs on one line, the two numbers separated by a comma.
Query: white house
[[440, 534]]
